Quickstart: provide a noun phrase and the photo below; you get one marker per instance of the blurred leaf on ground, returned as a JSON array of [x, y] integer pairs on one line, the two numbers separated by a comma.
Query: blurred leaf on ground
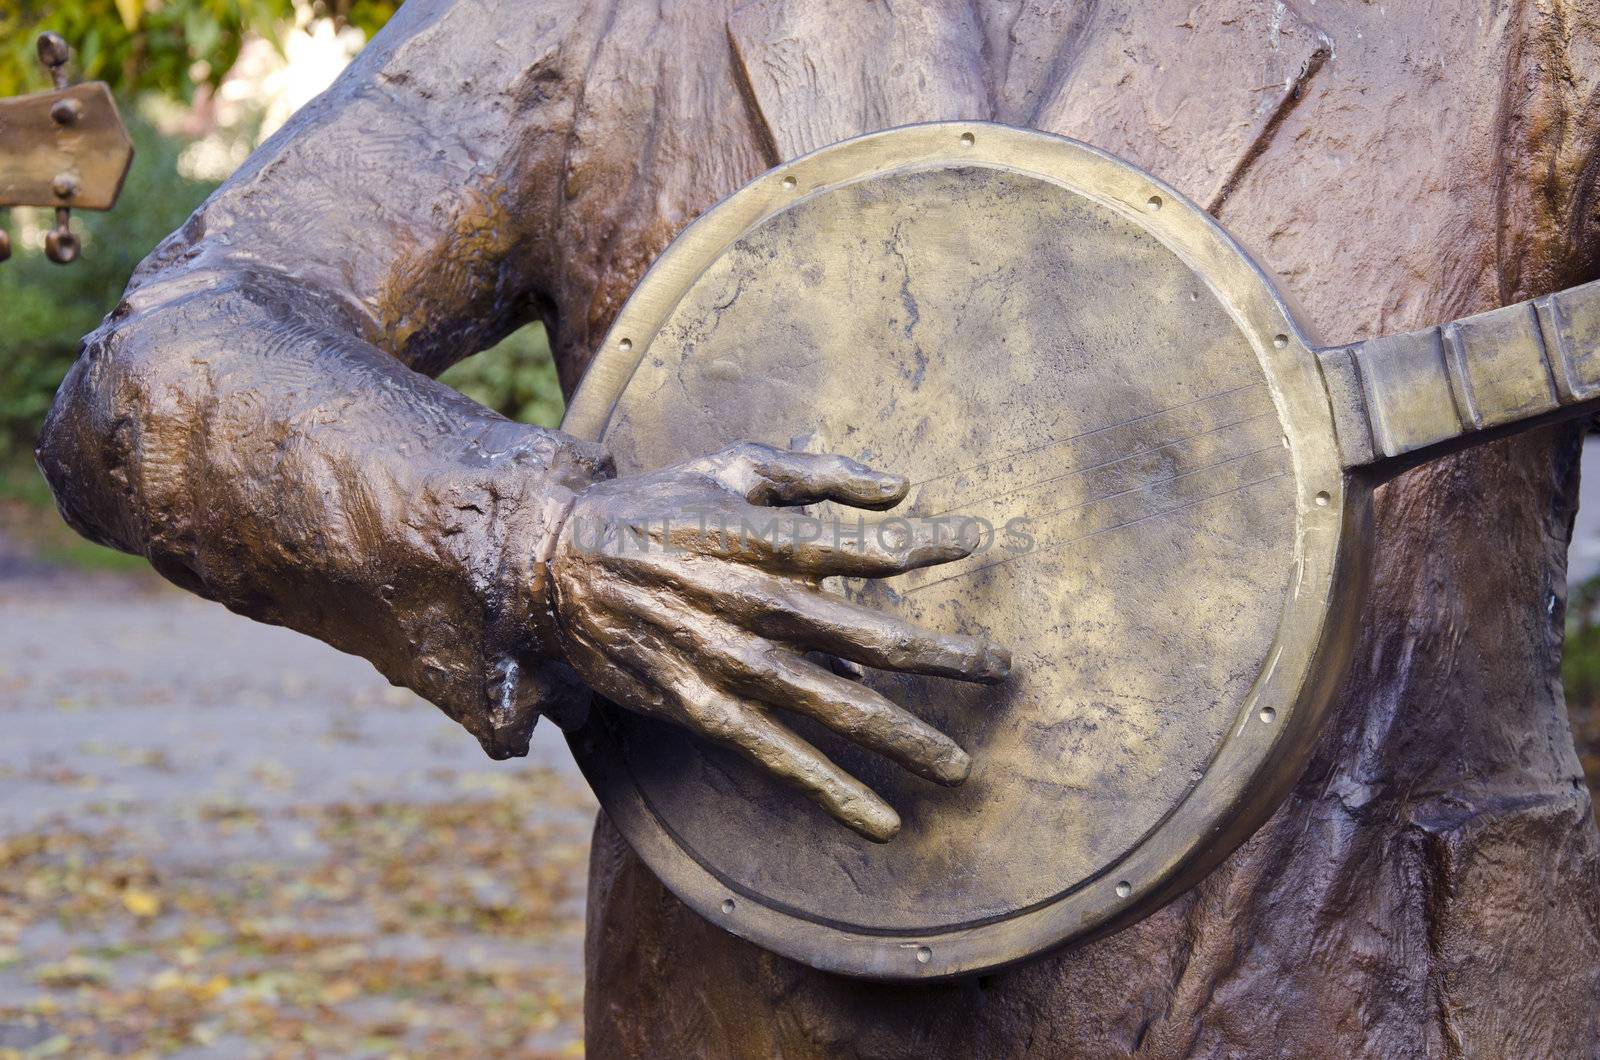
[[442, 929]]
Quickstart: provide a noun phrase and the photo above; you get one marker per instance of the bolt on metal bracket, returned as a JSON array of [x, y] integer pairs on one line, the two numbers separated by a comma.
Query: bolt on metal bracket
[[66, 148]]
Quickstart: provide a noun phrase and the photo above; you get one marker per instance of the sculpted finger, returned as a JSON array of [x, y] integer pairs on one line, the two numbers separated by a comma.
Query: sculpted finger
[[653, 672], [825, 547], [856, 711], [744, 728], [784, 610], [755, 668], [765, 475], [824, 622], [622, 668], [748, 730], [796, 543], [849, 670]]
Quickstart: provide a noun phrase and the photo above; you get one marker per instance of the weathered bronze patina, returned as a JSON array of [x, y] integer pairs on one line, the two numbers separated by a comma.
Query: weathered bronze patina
[[66, 148], [1187, 483], [254, 418]]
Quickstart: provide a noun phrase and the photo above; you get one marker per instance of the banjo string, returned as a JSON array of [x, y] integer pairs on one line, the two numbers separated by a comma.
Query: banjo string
[[1115, 526], [1085, 434], [1102, 465], [1148, 484]]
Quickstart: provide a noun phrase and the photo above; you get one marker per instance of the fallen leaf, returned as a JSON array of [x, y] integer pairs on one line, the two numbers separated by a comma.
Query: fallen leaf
[[141, 904], [74, 971]]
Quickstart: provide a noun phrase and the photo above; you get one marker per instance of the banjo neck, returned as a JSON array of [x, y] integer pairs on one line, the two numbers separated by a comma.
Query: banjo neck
[[1401, 400]]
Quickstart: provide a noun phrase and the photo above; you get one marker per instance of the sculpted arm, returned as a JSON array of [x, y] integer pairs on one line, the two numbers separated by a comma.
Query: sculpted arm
[[258, 418]]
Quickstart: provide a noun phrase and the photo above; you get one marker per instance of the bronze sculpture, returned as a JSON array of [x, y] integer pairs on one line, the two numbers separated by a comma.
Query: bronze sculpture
[[1199, 526], [1429, 824]]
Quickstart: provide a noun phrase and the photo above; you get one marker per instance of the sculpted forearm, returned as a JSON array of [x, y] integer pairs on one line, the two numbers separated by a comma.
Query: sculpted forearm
[[252, 417], [232, 428], [258, 420]]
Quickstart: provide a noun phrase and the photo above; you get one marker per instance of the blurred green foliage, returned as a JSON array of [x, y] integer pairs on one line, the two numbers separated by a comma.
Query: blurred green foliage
[[517, 378], [48, 308], [1580, 666], [153, 45]]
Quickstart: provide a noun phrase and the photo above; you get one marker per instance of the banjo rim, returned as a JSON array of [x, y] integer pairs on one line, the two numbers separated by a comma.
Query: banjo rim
[[1253, 768]]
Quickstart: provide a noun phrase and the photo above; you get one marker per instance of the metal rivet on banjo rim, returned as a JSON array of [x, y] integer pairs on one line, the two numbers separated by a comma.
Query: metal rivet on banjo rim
[[924, 955], [727, 905], [625, 345], [1280, 341], [1268, 715], [1124, 888], [1323, 499], [789, 182], [1153, 203], [967, 139]]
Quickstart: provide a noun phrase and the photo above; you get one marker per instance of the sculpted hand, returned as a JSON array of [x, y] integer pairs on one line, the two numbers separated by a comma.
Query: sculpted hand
[[703, 615]]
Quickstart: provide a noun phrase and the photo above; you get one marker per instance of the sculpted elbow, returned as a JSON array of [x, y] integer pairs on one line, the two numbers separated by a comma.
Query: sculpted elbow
[[97, 441]]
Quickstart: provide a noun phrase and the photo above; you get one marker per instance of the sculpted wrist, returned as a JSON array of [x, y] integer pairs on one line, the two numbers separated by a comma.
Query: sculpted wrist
[[558, 692], [527, 489], [528, 677], [553, 514], [534, 501]]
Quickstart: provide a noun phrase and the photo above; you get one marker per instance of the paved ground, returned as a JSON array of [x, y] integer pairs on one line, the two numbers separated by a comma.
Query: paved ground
[[223, 839], [219, 839]]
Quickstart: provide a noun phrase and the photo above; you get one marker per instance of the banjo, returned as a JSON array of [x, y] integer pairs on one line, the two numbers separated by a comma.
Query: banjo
[[1060, 350]]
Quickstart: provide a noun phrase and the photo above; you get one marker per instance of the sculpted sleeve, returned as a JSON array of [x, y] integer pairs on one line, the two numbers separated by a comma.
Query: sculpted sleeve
[[257, 416], [1547, 187]]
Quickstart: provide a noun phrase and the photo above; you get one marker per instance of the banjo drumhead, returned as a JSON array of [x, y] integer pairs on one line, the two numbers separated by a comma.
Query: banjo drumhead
[[1064, 354]]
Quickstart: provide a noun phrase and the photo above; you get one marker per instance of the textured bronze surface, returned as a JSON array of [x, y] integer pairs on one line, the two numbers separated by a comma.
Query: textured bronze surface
[[1429, 887], [995, 312], [1419, 395], [1176, 577], [657, 609]]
